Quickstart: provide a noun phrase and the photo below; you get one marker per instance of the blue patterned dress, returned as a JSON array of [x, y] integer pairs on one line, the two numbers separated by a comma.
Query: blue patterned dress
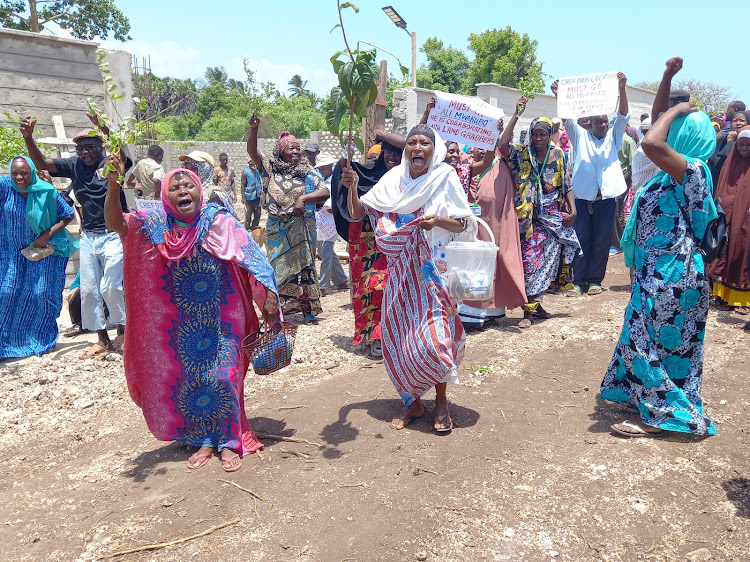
[[657, 365], [30, 292]]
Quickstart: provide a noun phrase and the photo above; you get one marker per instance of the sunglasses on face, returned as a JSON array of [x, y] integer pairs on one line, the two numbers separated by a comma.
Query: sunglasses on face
[[84, 147]]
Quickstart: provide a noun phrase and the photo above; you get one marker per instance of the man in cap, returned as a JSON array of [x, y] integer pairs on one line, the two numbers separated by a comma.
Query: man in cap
[[311, 152], [101, 249]]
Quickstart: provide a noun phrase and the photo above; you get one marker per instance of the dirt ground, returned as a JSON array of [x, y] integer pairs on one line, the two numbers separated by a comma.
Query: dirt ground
[[531, 471]]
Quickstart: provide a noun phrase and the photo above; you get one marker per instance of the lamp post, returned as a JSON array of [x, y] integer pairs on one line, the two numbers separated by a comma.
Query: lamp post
[[400, 22]]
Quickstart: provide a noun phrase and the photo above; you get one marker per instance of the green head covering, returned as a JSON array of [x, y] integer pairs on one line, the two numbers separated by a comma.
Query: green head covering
[[41, 210], [694, 137]]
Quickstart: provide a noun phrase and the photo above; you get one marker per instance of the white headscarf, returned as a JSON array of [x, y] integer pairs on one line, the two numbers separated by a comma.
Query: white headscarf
[[437, 192]]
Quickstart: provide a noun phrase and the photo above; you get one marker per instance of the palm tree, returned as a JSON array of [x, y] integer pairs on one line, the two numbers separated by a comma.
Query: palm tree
[[297, 87], [216, 75]]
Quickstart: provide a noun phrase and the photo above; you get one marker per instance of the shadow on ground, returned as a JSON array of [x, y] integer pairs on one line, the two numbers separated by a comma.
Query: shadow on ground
[[384, 410], [738, 492]]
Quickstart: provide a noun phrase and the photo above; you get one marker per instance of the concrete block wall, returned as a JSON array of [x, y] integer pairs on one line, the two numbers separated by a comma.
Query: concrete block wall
[[46, 76]]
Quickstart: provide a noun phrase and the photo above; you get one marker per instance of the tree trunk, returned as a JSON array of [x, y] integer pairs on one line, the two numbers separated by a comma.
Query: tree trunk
[[33, 17]]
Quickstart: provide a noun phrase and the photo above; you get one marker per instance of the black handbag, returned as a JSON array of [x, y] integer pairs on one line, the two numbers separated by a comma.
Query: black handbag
[[715, 240]]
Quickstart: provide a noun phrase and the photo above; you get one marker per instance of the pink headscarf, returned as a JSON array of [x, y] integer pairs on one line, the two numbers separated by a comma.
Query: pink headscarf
[[179, 241], [285, 139]]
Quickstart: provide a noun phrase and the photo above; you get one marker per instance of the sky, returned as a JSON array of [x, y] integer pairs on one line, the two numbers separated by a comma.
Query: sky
[[294, 36]]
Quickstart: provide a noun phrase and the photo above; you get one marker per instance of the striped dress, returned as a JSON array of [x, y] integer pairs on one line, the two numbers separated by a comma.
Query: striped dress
[[30, 291], [423, 338]]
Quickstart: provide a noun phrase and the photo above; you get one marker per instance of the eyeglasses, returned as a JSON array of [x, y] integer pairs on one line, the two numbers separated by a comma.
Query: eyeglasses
[[83, 147]]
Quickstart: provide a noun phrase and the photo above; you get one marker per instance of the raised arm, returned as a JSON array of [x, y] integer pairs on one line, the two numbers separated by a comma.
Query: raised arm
[[426, 114], [113, 216], [507, 136], [252, 142], [622, 82], [655, 143], [27, 132], [661, 101], [391, 138]]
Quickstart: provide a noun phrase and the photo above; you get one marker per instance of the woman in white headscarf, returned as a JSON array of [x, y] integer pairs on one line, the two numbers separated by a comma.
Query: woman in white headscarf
[[416, 209]]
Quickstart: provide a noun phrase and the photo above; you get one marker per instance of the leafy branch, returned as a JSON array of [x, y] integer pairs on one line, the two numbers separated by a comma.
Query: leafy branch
[[357, 89], [128, 130]]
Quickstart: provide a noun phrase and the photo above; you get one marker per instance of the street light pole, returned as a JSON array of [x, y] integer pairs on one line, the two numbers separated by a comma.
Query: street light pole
[[400, 22], [414, 59]]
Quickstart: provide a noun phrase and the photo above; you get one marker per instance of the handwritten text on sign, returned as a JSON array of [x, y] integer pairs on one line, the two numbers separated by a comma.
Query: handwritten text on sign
[[465, 120], [584, 96], [148, 205]]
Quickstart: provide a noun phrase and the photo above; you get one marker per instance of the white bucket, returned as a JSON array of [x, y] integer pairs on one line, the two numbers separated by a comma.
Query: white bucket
[[471, 267]]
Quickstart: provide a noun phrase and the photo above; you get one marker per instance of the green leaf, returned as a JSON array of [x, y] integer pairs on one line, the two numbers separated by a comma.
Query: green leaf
[[360, 106], [350, 5], [359, 143], [373, 95], [362, 79], [334, 27], [345, 78], [405, 71]]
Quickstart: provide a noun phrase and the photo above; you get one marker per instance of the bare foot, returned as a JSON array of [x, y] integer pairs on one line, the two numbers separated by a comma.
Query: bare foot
[[416, 410], [200, 457]]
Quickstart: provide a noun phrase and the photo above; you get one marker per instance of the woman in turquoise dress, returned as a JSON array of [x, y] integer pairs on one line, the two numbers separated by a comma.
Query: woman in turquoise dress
[[657, 367], [31, 213]]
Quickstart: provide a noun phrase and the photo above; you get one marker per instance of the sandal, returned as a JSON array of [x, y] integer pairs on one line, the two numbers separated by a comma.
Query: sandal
[[575, 291], [440, 424], [94, 350], [742, 310], [73, 331], [524, 323], [226, 463], [199, 460], [594, 289], [376, 349], [631, 429]]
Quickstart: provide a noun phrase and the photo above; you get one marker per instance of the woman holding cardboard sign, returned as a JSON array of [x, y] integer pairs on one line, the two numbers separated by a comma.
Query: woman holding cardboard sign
[[545, 205]]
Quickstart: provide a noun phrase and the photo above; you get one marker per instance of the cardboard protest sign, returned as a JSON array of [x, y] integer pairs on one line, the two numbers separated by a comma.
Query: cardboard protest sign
[[587, 95], [148, 205], [465, 120]]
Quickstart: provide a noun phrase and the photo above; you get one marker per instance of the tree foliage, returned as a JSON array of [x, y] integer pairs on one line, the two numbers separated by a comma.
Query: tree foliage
[[297, 87], [504, 57], [446, 68], [711, 98], [85, 19]]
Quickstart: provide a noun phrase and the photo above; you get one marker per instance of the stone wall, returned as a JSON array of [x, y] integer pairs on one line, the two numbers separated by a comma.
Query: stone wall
[[409, 104]]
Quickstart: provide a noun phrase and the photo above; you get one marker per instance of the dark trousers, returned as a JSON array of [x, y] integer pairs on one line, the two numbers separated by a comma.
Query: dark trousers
[[74, 308], [252, 214], [593, 225]]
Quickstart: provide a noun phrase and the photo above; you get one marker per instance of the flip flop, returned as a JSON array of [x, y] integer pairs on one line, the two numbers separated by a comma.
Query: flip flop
[[94, 350], [524, 323], [229, 467], [629, 429], [407, 420], [444, 428], [376, 350], [201, 458]]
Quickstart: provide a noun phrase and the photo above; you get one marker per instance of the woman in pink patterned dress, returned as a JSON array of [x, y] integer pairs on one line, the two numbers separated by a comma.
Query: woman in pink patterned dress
[[191, 275]]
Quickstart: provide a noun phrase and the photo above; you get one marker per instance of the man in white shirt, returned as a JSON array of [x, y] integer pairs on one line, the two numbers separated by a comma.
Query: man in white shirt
[[597, 181]]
